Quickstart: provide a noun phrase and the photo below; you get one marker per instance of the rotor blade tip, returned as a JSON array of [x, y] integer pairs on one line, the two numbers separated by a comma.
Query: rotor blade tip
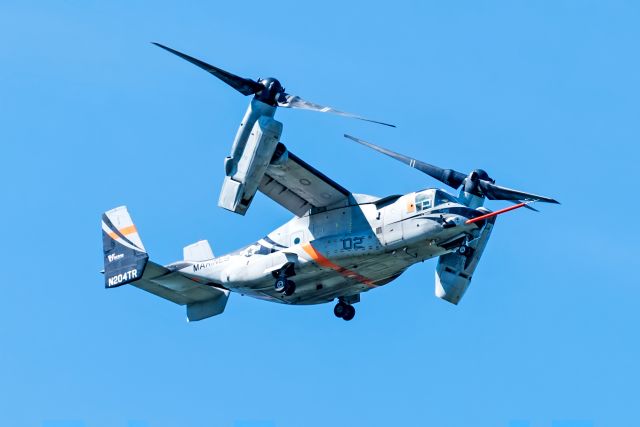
[[548, 200], [161, 46], [377, 122]]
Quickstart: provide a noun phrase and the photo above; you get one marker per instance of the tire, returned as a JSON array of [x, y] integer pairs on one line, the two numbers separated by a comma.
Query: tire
[[290, 288], [349, 313], [281, 285], [340, 309], [463, 250]]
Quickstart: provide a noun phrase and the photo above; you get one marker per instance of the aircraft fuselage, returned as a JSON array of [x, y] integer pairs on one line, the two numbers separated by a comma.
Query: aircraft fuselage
[[344, 251]]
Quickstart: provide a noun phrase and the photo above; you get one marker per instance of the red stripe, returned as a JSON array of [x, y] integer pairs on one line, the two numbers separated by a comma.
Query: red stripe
[[490, 214]]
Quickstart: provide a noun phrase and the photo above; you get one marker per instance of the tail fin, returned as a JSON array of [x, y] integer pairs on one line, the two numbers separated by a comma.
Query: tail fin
[[124, 255], [198, 251]]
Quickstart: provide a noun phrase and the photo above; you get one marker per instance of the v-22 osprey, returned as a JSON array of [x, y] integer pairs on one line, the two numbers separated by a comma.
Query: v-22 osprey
[[339, 244]]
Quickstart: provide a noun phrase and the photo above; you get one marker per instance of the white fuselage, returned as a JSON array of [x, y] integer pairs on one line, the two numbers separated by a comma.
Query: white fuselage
[[343, 251]]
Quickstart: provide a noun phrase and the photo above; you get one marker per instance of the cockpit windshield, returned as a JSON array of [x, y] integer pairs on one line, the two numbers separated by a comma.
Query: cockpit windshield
[[444, 197], [428, 199]]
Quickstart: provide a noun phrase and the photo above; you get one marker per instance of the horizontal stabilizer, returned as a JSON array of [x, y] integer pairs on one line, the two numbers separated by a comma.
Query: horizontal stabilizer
[[126, 261], [202, 300]]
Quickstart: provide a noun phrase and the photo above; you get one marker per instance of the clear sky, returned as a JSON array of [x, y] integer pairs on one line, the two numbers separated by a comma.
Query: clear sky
[[544, 95]]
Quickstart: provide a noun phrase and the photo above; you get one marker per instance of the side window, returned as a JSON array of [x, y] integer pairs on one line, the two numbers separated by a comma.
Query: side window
[[297, 238], [423, 201]]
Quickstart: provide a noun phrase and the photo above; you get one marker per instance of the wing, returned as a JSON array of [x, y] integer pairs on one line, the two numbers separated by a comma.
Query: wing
[[298, 186]]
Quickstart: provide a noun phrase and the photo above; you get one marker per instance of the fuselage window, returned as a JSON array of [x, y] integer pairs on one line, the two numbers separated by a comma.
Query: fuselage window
[[423, 201]]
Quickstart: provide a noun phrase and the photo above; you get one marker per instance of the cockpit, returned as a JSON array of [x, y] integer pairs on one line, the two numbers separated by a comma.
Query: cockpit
[[428, 199]]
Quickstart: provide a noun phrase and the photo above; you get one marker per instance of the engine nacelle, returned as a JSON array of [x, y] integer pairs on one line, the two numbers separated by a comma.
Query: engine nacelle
[[454, 271], [239, 188]]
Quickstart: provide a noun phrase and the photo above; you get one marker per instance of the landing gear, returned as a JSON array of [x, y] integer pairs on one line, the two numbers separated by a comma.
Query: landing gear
[[285, 286], [281, 283], [290, 288], [350, 313], [344, 311], [465, 250], [340, 309]]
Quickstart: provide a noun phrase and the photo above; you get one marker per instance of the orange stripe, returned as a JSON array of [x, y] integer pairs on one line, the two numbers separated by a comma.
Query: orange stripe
[[322, 261], [125, 231]]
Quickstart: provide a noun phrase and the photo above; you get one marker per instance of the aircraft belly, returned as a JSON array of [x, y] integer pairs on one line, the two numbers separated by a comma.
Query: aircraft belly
[[320, 285], [376, 271]]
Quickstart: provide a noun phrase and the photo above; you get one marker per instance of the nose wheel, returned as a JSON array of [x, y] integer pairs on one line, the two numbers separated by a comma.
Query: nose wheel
[[465, 250], [344, 311]]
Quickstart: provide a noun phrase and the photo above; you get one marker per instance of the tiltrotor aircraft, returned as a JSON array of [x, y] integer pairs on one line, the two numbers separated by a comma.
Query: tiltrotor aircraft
[[338, 245]]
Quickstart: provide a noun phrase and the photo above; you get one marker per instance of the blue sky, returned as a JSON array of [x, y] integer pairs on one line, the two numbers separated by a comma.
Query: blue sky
[[544, 95]]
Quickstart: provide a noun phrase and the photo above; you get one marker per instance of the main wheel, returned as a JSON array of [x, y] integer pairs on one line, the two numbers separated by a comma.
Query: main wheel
[[289, 288], [281, 285], [464, 250], [349, 313], [340, 309]]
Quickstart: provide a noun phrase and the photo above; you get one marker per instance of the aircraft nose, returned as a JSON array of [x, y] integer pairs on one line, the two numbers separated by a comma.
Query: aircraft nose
[[466, 217]]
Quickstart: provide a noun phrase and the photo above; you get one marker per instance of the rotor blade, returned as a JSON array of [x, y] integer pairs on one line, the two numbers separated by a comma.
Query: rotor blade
[[293, 101], [496, 192], [242, 85], [447, 176], [525, 206]]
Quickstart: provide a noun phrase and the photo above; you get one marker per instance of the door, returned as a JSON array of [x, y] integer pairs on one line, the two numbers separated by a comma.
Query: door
[[392, 223]]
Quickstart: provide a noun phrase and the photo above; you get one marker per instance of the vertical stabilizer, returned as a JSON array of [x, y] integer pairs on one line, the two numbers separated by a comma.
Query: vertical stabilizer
[[124, 255], [198, 251]]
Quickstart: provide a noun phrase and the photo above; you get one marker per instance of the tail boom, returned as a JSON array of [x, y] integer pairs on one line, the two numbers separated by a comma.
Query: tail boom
[[126, 261]]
